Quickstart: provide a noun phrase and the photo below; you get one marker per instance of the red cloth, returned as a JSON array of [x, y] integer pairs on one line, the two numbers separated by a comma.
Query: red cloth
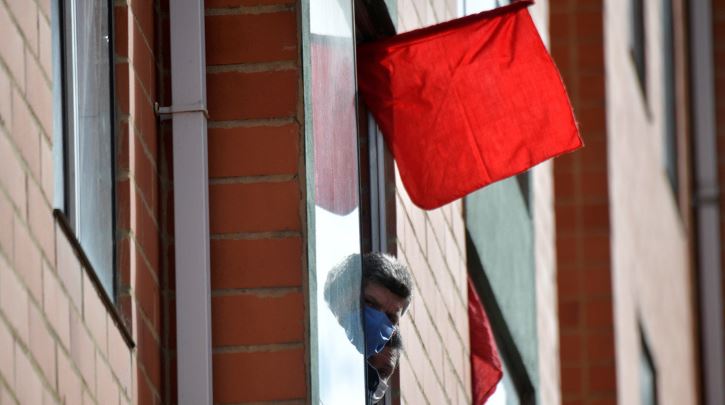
[[468, 102], [486, 370]]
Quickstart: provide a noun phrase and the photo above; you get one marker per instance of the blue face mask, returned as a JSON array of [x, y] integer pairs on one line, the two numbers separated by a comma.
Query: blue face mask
[[378, 330]]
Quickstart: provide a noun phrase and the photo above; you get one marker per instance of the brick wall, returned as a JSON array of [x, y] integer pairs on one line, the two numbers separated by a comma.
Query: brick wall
[[435, 368], [59, 342], [583, 231], [257, 205]]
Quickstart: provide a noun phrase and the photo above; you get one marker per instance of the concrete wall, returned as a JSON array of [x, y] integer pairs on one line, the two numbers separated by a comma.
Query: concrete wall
[[650, 259]]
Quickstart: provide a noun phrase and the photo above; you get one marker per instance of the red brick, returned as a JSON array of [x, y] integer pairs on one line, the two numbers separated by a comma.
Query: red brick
[[590, 57], [147, 291], [598, 280], [254, 151], [26, 14], [276, 319], [26, 135], [68, 268], [14, 301], [591, 86], [246, 377], [94, 315], [40, 95], [598, 313], [12, 175], [595, 184], [571, 348], [42, 344], [7, 354], [144, 395], [47, 163], [591, 119], [27, 260], [565, 186], [11, 47], [595, 217], [82, 349], [254, 207], [143, 116], [571, 380], [149, 354], [245, 38], [69, 383], [123, 145], [570, 314], [145, 230], [596, 248], [237, 95], [567, 250], [143, 10], [143, 170], [57, 307], [589, 25], [256, 263], [122, 88], [600, 346], [569, 284], [602, 378], [28, 387], [120, 43], [143, 60], [123, 204], [40, 218]]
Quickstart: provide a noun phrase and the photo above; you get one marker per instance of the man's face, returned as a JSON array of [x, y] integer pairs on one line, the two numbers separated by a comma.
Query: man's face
[[382, 299]]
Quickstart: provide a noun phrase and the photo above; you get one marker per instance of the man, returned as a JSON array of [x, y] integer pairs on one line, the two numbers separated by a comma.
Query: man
[[387, 289]]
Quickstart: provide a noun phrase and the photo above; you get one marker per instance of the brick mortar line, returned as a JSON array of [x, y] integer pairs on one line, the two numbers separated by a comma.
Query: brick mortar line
[[13, 18], [438, 333], [266, 292], [24, 97], [138, 135], [131, 66], [417, 378], [137, 23], [428, 267], [448, 268], [277, 66], [254, 122], [7, 388], [258, 348], [145, 319], [249, 10], [145, 375], [271, 178], [132, 238], [256, 235], [126, 175], [51, 330], [26, 225]]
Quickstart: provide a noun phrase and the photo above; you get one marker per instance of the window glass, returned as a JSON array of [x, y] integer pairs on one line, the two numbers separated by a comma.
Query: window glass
[[87, 147], [339, 343], [669, 99], [647, 376], [476, 6]]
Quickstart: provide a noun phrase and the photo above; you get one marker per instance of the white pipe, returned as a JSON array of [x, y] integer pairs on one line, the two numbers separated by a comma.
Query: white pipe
[[191, 202], [707, 202]]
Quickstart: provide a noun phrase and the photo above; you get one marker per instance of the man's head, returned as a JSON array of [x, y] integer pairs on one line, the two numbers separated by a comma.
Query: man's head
[[386, 285]]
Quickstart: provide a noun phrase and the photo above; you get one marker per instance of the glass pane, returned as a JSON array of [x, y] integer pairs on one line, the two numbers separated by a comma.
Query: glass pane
[[90, 68], [340, 343], [476, 6]]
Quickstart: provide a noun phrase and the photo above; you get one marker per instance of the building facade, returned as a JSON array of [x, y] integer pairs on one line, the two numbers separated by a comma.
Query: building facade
[[142, 262]]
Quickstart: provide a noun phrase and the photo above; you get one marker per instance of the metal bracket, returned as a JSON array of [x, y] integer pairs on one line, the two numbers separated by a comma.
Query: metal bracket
[[170, 110]]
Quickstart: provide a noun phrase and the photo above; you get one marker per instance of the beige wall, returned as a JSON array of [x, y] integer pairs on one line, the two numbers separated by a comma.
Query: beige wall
[[651, 274]]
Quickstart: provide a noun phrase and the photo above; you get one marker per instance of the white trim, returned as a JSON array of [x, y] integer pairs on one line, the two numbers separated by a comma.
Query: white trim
[[191, 204]]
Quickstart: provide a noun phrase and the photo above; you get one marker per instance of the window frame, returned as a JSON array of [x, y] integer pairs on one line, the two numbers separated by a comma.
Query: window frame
[[66, 205], [60, 48]]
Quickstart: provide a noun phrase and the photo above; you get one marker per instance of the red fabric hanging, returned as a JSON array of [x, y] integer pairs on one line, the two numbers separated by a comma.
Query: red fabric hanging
[[486, 370], [467, 102]]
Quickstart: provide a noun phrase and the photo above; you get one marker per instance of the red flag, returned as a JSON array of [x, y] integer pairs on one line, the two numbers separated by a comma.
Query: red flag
[[468, 102], [486, 370]]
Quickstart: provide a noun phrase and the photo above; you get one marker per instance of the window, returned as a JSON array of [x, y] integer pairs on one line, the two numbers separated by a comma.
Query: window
[[638, 41], [647, 373], [84, 121], [669, 108]]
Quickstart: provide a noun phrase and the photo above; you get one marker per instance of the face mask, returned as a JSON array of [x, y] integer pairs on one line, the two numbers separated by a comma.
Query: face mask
[[378, 330]]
